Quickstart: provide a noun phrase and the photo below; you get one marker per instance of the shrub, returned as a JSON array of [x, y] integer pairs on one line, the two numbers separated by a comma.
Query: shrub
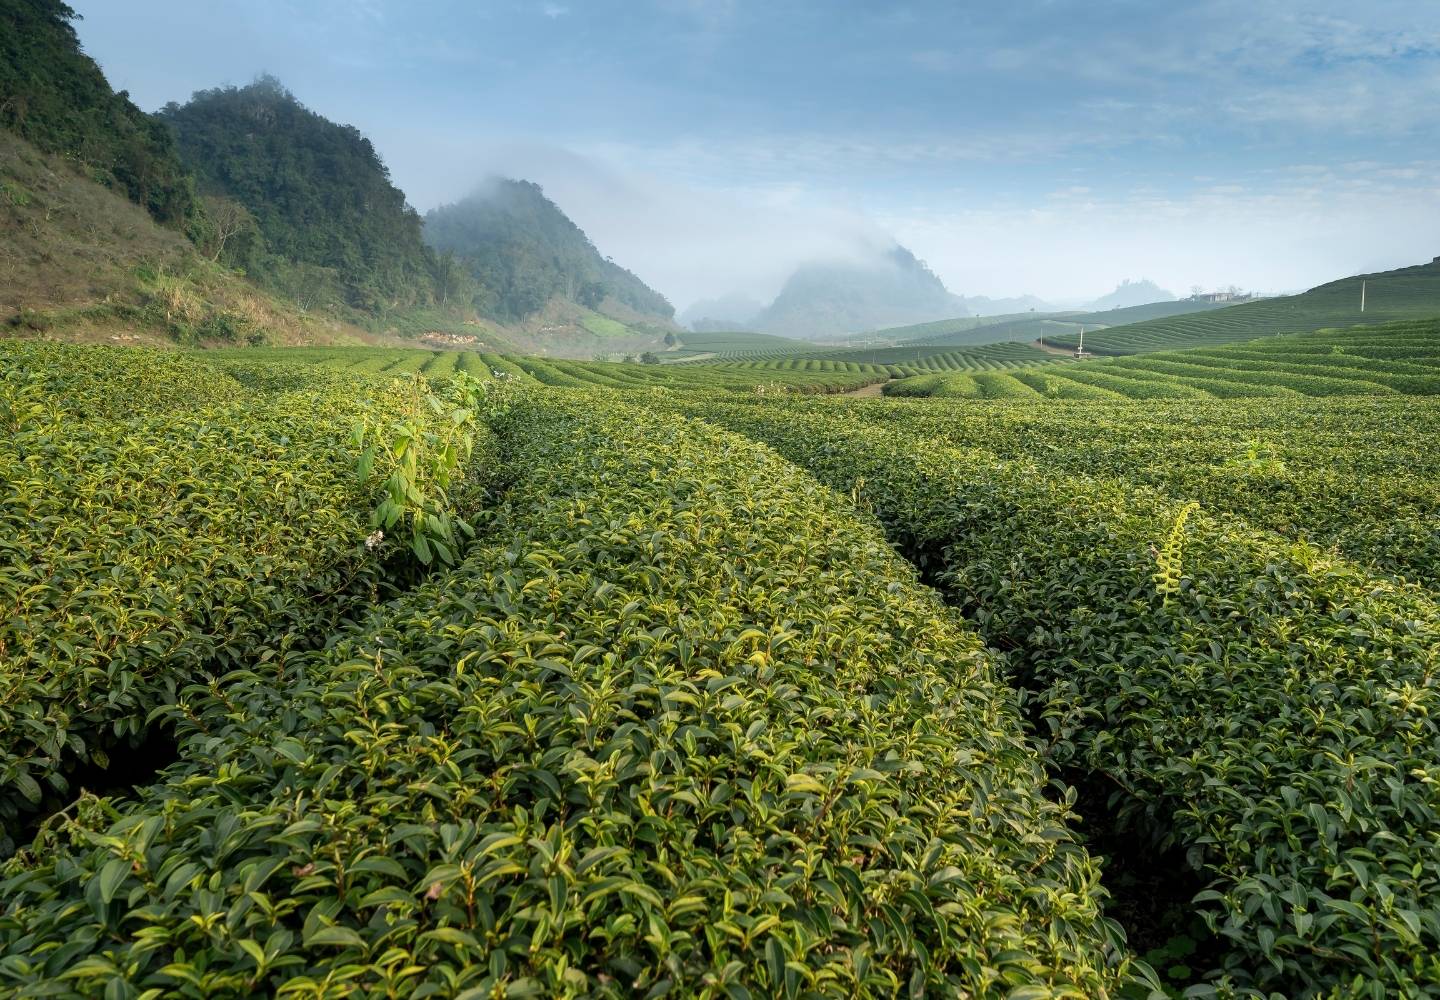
[[1268, 706], [678, 725], [143, 554]]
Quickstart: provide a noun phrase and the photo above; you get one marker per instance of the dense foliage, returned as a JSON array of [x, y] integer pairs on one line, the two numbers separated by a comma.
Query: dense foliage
[[523, 251], [55, 96], [1263, 704], [676, 720], [141, 554], [1356, 473], [318, 192], [678, 724]]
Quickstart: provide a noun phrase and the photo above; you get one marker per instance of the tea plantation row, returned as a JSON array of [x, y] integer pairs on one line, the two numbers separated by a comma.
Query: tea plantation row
[[223, 527], [1357, 473], [1265, 705], [677, 724], [818, 372], [809, 376], [1392, 359]]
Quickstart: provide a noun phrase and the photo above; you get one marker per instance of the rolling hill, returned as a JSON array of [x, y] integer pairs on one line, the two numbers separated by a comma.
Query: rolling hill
[[971, 330], [1132, 293], [1123, 315], [1401, 358], [55, 97], [80, 260], [1405, 293]]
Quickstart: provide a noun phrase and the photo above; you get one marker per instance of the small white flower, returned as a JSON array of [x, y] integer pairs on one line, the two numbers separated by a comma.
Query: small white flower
[[373, 539]]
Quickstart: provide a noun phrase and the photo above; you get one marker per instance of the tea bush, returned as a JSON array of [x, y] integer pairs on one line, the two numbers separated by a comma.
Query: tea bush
[[1357, 474], [88, 383], [138, 555], [677, 725], [1269, 706]]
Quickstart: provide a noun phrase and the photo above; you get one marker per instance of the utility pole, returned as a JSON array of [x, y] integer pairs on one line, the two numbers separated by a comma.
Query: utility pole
[[1362, 296]]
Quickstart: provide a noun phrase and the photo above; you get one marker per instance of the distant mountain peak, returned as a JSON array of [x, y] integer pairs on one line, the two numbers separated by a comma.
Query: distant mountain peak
[[1129, 292], [828, 298], [734, 311]]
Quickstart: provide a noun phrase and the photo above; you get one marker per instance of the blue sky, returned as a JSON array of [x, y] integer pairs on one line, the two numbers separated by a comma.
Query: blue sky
[[1041, 146]]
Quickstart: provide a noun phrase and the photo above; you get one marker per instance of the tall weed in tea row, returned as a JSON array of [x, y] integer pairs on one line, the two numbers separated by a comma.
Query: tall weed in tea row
[[1356, 474], [416, 455], [140, 555]]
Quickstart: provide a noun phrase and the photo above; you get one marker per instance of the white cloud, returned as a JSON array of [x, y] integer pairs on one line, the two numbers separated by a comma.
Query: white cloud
[[1282, 232], [689, 240]]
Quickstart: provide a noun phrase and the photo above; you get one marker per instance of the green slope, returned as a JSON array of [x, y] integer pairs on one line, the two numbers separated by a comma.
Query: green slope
[[54, 96], [1406, 293], [1032, 326], [1142, 313], [966, 331], [1395, 358], [331, 225]]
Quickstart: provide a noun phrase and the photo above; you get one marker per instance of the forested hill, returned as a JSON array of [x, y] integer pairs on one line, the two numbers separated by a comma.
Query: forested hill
[[55, 96], [318, 192], [270, 193], [524, 252]]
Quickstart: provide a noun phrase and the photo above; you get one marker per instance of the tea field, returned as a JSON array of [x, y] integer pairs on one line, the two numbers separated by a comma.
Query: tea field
[[343, 672], [1401, 358], [1409, 293]]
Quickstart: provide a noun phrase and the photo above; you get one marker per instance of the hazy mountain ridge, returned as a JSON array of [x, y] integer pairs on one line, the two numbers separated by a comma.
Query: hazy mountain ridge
[[828, 299], [523, 251], [258, 191], [727, 312], [1132, 293]]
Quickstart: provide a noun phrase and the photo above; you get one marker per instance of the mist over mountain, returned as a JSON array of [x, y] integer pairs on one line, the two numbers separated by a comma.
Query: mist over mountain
[[982, 305], [735, 311], [524, 251], [826, 299], [1132, 293]]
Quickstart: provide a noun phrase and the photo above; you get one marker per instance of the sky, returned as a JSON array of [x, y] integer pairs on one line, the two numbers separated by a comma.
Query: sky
[[1043, 147]]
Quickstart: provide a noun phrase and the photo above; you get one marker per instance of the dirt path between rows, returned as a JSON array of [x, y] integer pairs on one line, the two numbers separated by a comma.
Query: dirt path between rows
[[1052, 350], [869, 391]]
